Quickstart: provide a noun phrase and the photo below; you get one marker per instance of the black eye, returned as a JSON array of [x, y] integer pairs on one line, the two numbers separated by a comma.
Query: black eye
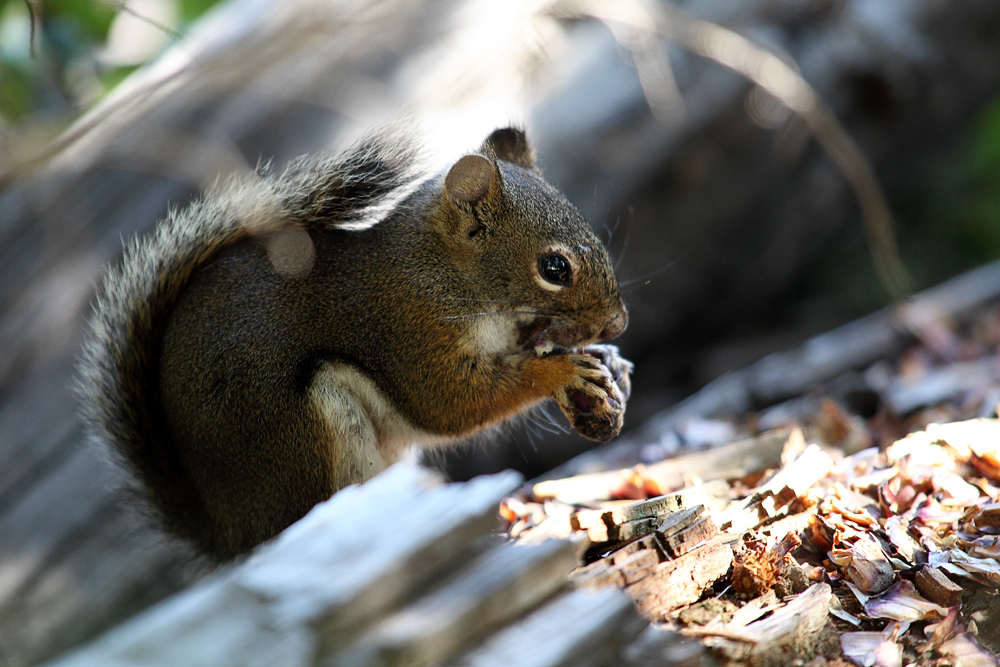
[[556, 269]]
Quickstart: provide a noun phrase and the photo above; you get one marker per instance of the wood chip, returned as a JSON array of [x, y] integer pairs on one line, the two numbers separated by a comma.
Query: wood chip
[[582, 488], [652, 541], [863, 523], [675, 583], [638, 566], [989, 516], [627, 569], [937, 587], [598, 574], [681, 542], [678, 521], [631, 530], [789, 483], [661, 506], [792, 630], [638, 519]]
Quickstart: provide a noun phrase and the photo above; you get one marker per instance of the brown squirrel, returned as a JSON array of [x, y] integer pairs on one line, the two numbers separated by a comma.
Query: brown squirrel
[[291, 334]]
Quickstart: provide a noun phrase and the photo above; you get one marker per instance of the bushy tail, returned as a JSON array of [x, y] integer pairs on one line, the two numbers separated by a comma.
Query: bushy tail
[[118, 369]]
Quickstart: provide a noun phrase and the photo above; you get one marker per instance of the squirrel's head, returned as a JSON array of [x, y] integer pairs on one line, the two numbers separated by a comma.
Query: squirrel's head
[[520, 244]]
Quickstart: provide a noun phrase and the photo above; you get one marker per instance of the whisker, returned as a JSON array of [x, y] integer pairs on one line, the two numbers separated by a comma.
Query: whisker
[[632, 283], [494, 313], [520, 450], [628, 236], [533, 436], [461, 298], [547, 421], [557, 425], [612, 230], [467, 316]]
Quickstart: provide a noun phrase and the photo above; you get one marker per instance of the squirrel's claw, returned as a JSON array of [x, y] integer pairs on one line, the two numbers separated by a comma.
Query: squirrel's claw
[[619, 366], [594, 400]]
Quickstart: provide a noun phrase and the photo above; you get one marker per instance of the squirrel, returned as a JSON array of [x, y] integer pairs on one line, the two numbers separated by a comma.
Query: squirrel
[[292, 333]]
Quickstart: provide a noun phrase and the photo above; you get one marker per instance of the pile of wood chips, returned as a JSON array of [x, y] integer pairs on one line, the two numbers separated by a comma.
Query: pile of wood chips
[[832, 538]]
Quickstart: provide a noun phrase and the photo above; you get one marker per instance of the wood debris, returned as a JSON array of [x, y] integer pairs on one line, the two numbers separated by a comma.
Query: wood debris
[[795, 629], [858, 556], [934, 585], [824, 531]]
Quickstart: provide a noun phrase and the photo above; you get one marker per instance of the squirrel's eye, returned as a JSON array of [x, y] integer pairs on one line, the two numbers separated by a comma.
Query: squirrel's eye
[[555, 268]]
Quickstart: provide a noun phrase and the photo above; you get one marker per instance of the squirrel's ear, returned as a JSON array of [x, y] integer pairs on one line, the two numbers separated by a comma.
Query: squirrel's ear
[[511, 145], [469, 179]]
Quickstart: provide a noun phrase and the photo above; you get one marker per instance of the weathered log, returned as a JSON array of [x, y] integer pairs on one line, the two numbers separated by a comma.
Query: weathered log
[[578, 629], [497, 586], [305, 595]]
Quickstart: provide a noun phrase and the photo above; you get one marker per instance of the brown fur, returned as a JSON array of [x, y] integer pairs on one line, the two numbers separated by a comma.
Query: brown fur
[[356, 279]]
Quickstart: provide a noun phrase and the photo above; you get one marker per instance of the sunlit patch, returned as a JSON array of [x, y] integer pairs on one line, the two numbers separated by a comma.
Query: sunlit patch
[[291, 252]]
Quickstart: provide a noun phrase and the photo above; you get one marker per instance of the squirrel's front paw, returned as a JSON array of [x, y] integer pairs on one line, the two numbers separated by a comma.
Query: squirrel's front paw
[[619, 366], [594, 399]]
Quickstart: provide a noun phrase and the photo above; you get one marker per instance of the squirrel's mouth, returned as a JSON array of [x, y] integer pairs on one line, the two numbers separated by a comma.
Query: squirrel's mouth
[[543, 333], [530, 334]]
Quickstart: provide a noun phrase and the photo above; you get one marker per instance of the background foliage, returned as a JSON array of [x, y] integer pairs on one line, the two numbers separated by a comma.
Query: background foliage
[[78, 51]]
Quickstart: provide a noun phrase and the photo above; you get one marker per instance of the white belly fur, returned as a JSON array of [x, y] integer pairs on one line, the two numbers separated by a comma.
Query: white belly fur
[[362, 420]]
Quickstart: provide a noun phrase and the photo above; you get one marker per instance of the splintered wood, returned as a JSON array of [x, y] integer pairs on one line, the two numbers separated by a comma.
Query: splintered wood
[[878, 557], [333, 591]]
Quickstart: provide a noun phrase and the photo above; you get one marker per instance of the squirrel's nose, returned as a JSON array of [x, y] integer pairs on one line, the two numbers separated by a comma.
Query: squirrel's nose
[[616, 326]]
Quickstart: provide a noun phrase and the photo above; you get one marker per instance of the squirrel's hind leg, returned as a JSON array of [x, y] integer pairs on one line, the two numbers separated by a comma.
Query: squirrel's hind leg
[[352, 437], [366, 431]]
